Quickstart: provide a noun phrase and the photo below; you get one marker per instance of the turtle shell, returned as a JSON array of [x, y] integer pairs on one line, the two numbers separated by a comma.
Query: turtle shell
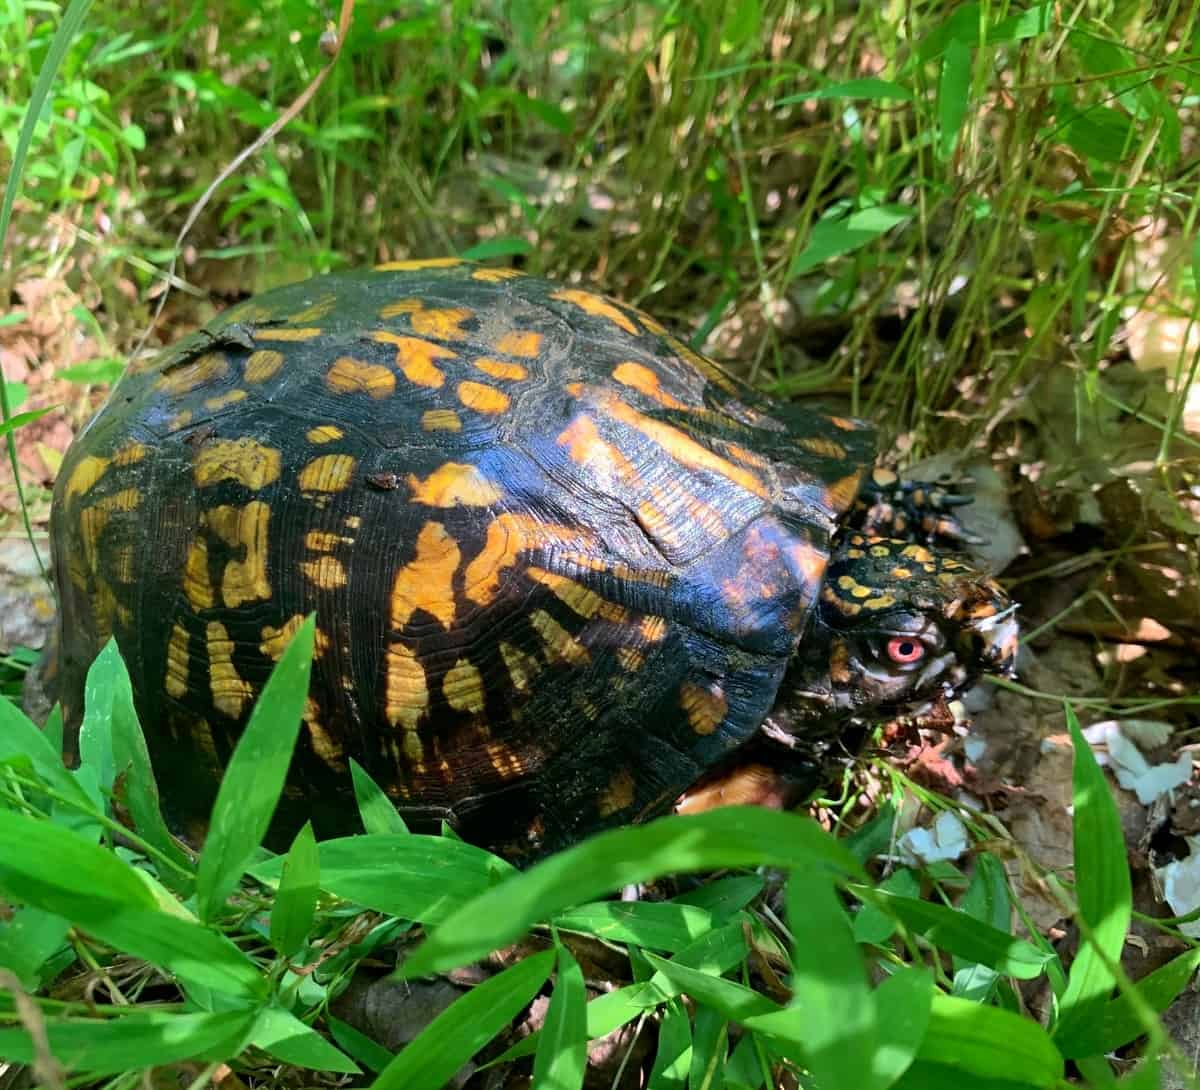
[[559, 561]]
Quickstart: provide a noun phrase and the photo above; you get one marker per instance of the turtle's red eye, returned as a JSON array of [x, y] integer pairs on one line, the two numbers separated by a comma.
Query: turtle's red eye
[[905, 650]]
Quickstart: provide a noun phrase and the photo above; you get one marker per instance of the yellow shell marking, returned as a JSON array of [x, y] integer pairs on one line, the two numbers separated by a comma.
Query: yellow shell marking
[[653, 628], [216, 404], [324, 433], [641, 378], [630, 659], [351, 376], [522, 668], [681, 447], [455, 485], [196, 585], [505, 761], [559, 642], [482, 398], [230, 693], [844, 492], [575, 596], [519, 342], [427, 581], [823, 447], [86, 474], [130, 453], [244, 460], [326, 572], [415, 358], [587, 448], [703, 364], [314, 312], [463, 687], [494, 276], [618, 795], [246, 527], [275, 640], [300, 333], [322, 541], [440, 420], [508, 536], [407, 697], [263, 364], [176, 681], [414, 263], [444, 324], [188, 376], [597, 306], [328, 473], [705, 706], [501, 368], [884, 601]]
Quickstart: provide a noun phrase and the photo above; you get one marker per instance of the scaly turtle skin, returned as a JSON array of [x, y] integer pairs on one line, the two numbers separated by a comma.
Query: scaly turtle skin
[[561, 564]]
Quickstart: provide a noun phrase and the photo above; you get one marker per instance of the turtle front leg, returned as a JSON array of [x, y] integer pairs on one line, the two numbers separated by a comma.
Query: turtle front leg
[[889, 506]]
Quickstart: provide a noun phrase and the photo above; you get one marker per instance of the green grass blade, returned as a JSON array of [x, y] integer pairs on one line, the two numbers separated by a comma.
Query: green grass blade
[[133, 1042], [414, 877], [250, 788], [561, 1059], [983, 1042], [833, 236], [21, 743], [460, 1031], [285, 1037], [902, 1005], [829, 983], [710, 1048], [728, 837], [673, 1059], [954, 95], [136, 784], [957, 933], [374, 807], [649, 924], [1103, 890], [296, 899], [374, 1057]]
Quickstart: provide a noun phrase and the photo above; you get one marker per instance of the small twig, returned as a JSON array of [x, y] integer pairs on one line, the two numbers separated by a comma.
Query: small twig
[[46, 1069]]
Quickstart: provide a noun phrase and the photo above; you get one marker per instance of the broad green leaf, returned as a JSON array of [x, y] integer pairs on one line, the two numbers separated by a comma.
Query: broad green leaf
[[725, 896], [120, 1046], [497, 247], [868, 87], [829, 983], [102, 371], [710, 1047], [21, 742], [460, 1031], [902, 1005], [28, 938], [296, 899], [658, 925], [561, 1059], [673, 1057], [984, 1042], [136, 786], [372, 1056], [378, 813], [1103, 890], [1099, 132], [871, 923], [733, 1001], [254, 778], [743, 22], [833, 236], [954, 95], [957, 933], [1117, 1022], [285, 1037], [727, 837], [930, 1076], [412, 876]]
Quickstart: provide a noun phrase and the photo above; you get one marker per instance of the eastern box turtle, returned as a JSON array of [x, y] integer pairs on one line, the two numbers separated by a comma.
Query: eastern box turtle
[[563, 566]]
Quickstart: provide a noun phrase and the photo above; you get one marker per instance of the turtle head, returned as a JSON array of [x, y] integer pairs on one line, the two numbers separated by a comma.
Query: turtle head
[[898, 627]]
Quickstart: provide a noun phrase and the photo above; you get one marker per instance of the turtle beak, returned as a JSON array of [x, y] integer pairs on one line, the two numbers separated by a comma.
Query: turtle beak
[[997, 638]]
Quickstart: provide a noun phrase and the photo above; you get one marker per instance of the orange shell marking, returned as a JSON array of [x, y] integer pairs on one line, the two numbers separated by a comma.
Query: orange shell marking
[[427, 581], [519, 342], [501, 368], [299, 334], [482, 398], [263, 364], [244, 460], [349, 375], [186, 377], [495, 276], [640, 378], [328, 473], [597, 306], [705, 706], [415, 358], [419, 263], [455, 485], [407, 697], [587, 448], [440, 420], [508, 536]]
